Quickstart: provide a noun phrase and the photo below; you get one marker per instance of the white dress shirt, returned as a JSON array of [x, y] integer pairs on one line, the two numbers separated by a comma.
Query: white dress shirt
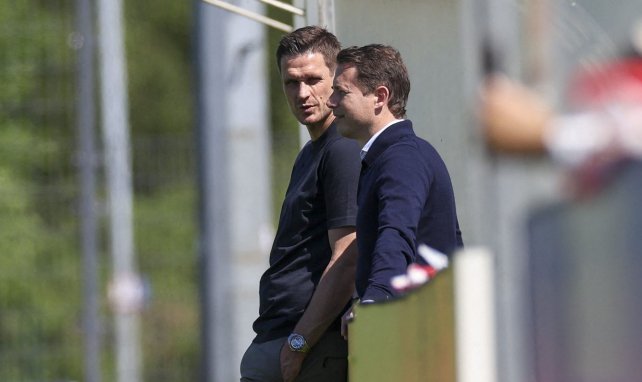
[[368, 144]]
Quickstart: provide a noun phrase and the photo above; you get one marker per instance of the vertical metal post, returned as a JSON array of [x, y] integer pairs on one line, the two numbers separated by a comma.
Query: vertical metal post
[[234, 170], [513, 185], [310, 18], [474, 16], [326, 14], [538, 27], [477, 43], [86, 160], [250, 219], [216, 294], [299, 21], [317, 12], [119, 182]]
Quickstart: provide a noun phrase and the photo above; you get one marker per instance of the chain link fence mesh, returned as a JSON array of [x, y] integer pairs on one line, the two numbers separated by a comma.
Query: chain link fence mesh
[[41, 330]]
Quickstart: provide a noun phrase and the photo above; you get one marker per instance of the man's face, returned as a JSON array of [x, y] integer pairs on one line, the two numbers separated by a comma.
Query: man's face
[[353, 110], [307, 84]]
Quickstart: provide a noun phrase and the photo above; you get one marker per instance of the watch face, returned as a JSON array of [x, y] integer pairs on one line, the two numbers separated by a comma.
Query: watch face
[[297, 342]]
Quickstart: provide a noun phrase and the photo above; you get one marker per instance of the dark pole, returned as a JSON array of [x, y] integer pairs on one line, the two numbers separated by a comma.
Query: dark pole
[[86, 159]]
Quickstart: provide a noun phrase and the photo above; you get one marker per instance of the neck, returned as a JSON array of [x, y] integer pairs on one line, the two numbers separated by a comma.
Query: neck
[[318, 129], [376, 127]]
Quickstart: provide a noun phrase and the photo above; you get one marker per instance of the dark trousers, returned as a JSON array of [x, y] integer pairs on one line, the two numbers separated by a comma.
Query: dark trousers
[[327, 361]]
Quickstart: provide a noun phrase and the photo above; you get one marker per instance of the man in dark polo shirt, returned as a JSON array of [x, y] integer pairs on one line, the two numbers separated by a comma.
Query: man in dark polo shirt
[[313, 259], [405, 193]]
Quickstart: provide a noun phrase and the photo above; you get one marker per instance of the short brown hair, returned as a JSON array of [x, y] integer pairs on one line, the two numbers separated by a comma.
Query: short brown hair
[[379, 65], [309, 39]]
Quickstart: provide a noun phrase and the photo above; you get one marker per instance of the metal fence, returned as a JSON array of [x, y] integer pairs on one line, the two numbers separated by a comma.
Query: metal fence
[[41, 283]]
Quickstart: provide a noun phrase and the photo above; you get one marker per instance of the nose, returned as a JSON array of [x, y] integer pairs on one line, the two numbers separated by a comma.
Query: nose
[[303, 91], [332, 103]]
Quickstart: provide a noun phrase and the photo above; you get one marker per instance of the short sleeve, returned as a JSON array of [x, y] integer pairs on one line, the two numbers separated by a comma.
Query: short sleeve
[[340, 178]]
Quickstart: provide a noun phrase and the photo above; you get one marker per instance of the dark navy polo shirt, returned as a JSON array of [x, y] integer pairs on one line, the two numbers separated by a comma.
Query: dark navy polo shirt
[[321, 195]]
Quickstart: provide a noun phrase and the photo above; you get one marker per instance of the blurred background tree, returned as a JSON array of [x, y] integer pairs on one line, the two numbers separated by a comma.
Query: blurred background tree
[[39, 267], [40, 260]]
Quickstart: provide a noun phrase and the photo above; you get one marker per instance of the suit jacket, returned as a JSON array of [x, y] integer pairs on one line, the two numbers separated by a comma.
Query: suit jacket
[[405, 198]]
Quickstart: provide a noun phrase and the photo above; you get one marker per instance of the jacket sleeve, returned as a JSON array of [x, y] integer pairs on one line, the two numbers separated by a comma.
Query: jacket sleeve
[[402, 185]]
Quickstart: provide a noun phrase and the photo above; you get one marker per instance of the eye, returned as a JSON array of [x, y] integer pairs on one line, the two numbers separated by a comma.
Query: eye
[[312, 81]]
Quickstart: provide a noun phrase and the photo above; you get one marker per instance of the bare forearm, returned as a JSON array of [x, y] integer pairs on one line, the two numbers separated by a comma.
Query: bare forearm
[[331, 296], [334, 289]]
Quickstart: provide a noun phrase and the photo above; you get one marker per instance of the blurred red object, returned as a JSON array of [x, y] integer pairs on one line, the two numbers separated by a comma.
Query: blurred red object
[[617, 81]]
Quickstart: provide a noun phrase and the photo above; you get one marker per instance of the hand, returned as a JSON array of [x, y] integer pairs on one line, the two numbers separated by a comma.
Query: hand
[[345, 319], [291, 363]]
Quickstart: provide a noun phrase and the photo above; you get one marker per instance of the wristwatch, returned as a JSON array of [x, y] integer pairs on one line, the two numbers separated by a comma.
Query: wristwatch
[[297, 343]]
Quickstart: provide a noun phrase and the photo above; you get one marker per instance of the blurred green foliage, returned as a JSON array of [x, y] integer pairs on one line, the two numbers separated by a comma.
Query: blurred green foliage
[[159, 65], [161, 111], [40, 261], [41, 288], [39, 269]]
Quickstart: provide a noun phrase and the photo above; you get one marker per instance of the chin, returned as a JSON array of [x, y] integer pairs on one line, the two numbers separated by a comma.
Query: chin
[[304, 121], [343, 129]]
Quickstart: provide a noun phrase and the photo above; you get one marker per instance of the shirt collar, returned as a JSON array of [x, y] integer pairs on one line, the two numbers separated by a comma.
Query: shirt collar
[[368, 144]]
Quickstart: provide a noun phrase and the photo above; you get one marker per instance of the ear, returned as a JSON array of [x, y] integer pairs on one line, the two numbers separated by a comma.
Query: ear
[[382, 95]]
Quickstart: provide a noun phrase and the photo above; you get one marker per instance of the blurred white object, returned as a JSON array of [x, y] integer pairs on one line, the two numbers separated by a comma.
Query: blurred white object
[[126, 293], [433, 257], [400, 283], [418, 274], [475, 315]]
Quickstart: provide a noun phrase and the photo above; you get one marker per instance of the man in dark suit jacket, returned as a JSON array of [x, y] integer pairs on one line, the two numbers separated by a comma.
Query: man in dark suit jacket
[[405, 195]]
